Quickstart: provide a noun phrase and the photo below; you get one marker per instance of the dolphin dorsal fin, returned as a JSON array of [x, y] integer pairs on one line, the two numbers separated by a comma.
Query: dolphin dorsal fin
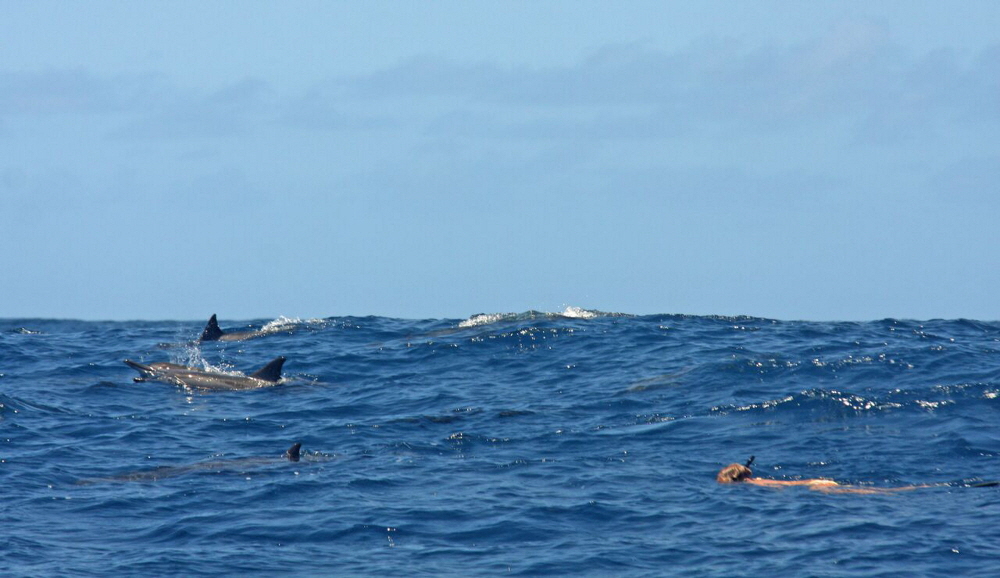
[[212, 330], [271, 371], [293, 452]]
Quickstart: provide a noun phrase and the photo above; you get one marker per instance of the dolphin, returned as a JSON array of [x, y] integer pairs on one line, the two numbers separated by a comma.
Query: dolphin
[[239, 465], [186, 376], [213, 332]]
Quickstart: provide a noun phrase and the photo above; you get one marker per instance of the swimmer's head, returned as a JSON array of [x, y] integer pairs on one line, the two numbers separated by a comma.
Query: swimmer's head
[[733, 473]]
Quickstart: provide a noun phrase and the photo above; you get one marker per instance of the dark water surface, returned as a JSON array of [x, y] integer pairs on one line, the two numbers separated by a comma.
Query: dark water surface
[[527, 444]]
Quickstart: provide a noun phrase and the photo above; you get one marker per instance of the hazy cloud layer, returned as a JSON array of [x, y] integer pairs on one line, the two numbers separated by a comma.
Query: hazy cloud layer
[[852, 74]]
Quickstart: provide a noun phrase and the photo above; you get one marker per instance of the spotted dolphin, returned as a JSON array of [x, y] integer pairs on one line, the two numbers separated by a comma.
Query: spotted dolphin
[[213, 332], [183, 375], [238, 465]]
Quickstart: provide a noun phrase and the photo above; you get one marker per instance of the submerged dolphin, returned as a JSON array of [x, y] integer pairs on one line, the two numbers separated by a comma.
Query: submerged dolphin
[[213, 332], [237, 465], [186, 376]]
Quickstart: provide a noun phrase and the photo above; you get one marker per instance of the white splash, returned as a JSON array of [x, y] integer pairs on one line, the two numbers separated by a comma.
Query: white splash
[[580, 313]]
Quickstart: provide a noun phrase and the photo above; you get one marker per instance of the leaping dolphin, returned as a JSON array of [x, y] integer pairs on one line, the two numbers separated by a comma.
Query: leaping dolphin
[[183, 375], [213, 332], [238, 465]]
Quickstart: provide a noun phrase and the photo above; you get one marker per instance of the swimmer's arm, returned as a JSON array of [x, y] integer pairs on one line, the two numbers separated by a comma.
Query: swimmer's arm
[[828, 486], [832, 487], [776, 483]]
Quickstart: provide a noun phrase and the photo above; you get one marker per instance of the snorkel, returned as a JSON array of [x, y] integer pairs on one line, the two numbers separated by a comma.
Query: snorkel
[[735, 473]]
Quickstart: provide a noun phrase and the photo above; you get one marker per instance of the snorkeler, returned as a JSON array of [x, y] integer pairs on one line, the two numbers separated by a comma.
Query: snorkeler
[[735, 473]]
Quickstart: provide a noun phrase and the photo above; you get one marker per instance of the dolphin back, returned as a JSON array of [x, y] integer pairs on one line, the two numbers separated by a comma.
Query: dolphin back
[[212, 330], [272, 371]]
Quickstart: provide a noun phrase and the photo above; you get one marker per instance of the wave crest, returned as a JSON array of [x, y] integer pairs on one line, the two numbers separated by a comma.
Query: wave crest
[[570, 312]]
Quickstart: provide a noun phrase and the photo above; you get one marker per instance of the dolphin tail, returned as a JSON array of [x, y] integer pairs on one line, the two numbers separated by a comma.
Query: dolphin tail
[[293, 452], [271, 371], [212, 330]]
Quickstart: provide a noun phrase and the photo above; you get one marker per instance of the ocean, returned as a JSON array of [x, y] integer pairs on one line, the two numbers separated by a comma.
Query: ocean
[[576, 443]]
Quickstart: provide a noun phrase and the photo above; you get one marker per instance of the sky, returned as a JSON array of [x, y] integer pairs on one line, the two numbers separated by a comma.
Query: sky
[[791, 160]]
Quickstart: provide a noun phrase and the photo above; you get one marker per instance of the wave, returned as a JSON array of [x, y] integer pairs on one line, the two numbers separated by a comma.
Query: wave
[[571, 312], [23, 331], [282, 323]]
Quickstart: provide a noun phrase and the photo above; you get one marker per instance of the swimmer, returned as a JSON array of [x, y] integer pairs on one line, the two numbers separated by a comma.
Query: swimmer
[[735, 473]]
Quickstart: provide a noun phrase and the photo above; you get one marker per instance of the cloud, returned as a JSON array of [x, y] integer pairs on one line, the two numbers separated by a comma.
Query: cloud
[[233, 110], [853, 74], [322, 108], [77, 92], [146, 106], [570, 124]]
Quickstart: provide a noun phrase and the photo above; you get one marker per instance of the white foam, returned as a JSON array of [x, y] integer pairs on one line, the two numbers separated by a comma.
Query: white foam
[[580, 313], [570, 311], [192, 357], [485, 319], [280, 324]]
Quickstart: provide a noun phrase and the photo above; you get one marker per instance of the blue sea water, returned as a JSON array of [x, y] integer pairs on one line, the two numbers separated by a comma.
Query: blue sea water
[[579, 443]]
